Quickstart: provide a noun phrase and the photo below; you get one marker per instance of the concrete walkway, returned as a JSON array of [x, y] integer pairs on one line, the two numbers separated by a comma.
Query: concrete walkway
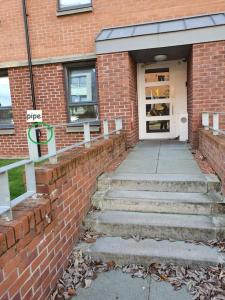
[[116, 285], [148, 157], [160, 157]]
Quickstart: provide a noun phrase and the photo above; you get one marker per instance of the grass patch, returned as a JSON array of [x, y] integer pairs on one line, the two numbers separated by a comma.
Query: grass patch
[[16, 182]]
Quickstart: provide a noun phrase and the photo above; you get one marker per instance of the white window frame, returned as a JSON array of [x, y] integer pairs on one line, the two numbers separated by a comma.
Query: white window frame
[[74, 7], [4, 74]]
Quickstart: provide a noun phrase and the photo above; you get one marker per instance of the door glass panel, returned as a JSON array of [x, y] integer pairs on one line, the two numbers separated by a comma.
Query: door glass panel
[[157, 92], [158, 109], [156, 75], [157, 126]]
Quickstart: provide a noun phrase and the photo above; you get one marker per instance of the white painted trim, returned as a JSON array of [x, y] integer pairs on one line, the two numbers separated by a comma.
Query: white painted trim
[[74, 11]]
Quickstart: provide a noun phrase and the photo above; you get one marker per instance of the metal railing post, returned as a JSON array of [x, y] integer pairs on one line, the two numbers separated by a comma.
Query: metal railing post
[[30, 177], [119, 125], [106, 129], [5, 203], [51, 144], [32, 144], [205, 120], [87, 134], [215, 123]]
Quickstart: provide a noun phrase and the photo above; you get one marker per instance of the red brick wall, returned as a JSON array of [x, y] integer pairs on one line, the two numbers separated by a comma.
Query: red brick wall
[[118, 91], [205, 84], [50, 97], [75, 34], [213, 148], [35, 246], [16, 145]]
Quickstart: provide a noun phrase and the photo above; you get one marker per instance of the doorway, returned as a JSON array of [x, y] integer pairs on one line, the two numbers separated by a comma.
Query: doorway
[[162, 100]]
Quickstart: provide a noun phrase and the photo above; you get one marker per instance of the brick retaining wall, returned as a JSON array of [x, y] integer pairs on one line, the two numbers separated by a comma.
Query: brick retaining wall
[[35, 246], [213, 148]]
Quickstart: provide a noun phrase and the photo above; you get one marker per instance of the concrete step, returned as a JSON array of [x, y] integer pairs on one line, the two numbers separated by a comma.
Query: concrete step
[[160, 182], [158, 202], [149, 251], [153, 225]]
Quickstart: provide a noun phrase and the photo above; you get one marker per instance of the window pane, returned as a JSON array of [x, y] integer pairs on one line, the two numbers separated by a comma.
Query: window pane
[[5, 97], [158, 126], [6, 117], [154, 75], [82, 86], [83, 81], [72, 3], [158, 109], [83, 112], [157, 92]]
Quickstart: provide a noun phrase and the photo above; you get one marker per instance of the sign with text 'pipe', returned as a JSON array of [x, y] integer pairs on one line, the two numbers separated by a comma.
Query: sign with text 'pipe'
[[34, 116]]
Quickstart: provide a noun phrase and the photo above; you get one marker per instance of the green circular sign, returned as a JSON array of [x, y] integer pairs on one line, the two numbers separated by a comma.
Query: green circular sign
[[47, 126]]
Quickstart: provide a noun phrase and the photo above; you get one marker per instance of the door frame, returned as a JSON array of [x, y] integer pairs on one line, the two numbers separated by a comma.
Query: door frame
[[176, 109]]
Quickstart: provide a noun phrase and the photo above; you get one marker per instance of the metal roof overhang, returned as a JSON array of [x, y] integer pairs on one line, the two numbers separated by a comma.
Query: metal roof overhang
[[169, 33]]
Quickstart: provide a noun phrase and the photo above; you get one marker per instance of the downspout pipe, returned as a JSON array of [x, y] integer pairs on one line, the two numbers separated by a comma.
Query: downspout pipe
[[30, 66]]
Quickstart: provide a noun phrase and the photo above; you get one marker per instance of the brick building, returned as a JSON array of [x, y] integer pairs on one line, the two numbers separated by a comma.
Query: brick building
[[158, 65]]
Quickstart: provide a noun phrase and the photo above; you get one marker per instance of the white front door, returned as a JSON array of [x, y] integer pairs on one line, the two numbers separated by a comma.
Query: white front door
[[162, 99]]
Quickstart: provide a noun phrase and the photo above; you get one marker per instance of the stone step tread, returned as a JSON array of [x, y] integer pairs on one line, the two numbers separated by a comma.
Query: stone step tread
[[148, 251], [153, 219], [159, 177], [114, 194]]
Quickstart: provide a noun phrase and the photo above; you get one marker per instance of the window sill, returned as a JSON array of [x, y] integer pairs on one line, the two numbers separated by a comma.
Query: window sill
[[5, 131], [78, 128], [74, 11]]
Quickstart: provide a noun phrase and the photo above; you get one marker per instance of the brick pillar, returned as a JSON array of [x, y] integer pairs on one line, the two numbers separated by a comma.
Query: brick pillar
[[118, 91], [206, 77]]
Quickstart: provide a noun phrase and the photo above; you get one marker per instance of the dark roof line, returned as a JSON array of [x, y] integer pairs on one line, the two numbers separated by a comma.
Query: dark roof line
[[172, 25]]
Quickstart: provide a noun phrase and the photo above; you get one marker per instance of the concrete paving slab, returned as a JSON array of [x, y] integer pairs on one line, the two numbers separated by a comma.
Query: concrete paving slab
[[116, 285], [162, 157], [175, 154], [148, 144], [143, 154], [138, 165], [174, 146], [178, 166], [164, 291]]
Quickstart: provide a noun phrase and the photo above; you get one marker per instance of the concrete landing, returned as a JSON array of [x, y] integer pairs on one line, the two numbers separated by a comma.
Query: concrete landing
[[160, 157], [116, 285]]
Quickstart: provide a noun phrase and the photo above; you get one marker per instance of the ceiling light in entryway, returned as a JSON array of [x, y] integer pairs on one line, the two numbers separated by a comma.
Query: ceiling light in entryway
[[160, 57]]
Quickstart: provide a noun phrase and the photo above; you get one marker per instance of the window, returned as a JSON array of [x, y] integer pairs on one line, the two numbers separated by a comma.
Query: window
[[6, 119], [82, 96], [74, 4]]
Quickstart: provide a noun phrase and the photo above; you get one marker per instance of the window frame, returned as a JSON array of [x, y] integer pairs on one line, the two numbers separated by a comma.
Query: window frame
[[80, 66], [72, 7], [4, 73]]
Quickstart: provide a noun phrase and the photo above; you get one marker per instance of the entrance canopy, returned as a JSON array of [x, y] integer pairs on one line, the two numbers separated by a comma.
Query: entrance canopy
[[176, 32]]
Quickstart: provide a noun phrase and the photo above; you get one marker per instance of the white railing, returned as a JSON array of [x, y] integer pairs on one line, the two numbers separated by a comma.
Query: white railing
[[6, 203], [215, 122]]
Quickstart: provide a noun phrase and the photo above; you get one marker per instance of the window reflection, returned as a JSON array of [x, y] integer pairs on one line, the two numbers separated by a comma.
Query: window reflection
[[156, 75], [157, 126], [6, 117], [158, 109], [5, 96], [157, 92]]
